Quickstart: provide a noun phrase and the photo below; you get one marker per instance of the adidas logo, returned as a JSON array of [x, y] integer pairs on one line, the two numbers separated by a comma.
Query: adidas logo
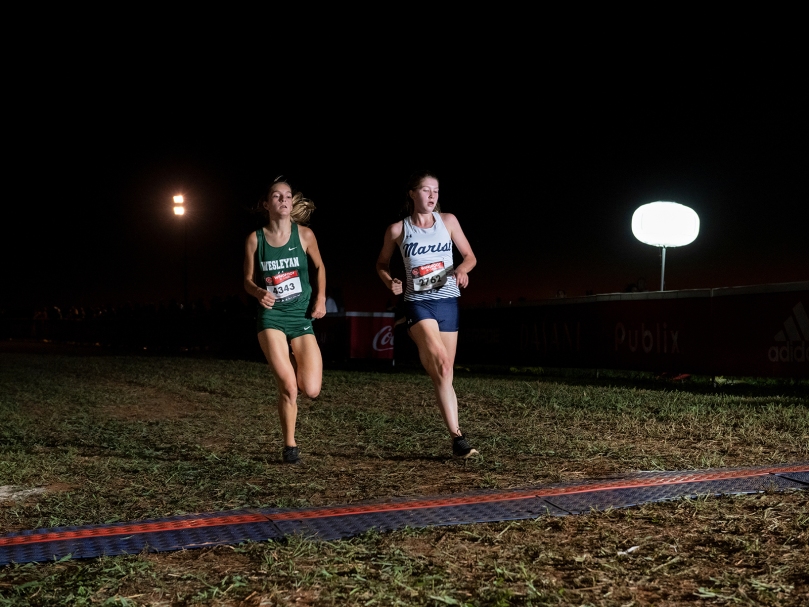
[[793, 337]]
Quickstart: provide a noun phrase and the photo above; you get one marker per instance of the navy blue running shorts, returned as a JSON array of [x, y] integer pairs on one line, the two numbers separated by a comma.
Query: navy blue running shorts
[[445, 311]]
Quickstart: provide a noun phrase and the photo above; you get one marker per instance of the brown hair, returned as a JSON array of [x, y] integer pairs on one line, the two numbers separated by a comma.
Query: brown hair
[[302, 207], [413, 183]]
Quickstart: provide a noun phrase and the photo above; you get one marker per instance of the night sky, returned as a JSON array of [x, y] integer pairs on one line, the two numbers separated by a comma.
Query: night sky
[[543, 178]]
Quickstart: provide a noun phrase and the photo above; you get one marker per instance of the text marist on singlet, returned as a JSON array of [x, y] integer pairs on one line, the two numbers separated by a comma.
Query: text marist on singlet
[[285, 285], [430, 276]]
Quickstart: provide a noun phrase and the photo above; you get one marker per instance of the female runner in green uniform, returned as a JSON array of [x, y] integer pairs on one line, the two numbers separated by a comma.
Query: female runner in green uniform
[[276, 273]]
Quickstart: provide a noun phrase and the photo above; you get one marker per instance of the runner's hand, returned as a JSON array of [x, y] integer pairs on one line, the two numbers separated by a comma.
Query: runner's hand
[[461, 278], [265, 298], [396, 286], [319, 309]]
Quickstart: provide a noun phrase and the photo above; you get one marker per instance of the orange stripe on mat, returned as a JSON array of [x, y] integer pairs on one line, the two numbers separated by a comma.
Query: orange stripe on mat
[[522, 494]]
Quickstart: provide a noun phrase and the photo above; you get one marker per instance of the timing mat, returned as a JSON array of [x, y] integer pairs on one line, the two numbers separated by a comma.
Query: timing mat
[[339, 522]]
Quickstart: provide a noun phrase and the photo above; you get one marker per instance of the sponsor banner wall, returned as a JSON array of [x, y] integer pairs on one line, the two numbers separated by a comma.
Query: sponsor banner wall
[[761, 330], [764, 332]]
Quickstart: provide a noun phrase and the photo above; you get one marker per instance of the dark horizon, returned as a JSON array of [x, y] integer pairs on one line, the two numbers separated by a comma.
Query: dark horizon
[[546, 205]]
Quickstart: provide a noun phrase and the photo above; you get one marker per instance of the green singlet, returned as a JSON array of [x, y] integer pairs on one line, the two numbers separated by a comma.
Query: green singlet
[[284, 272]]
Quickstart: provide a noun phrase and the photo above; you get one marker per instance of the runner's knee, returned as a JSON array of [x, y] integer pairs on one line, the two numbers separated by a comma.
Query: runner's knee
[[311, 391], [309, 386], [445, 367], [440, 365], [288, 388]]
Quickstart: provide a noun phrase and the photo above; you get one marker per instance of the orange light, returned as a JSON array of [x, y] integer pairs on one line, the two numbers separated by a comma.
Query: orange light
[[179, 210], [179, 199]]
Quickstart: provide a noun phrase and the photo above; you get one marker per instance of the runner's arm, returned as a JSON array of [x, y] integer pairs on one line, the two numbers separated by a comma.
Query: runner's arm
[[392, 235], [464, 248], [311, 249], [264, 297]]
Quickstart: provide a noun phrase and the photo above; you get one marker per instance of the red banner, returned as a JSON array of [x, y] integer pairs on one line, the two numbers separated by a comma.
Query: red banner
[[370, 334]]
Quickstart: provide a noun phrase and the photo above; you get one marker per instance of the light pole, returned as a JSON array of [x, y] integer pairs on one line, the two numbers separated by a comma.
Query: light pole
[[179, 210], [665, 224]]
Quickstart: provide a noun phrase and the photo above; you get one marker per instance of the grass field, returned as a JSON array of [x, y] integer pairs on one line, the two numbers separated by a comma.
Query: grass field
[[125, 438]]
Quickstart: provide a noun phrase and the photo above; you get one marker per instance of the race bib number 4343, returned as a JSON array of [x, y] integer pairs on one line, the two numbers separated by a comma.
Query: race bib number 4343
[[429, 276], [285, 286]]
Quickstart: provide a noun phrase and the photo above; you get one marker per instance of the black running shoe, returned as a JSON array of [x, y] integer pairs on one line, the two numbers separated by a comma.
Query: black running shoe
[[290, 455], [462, 448]]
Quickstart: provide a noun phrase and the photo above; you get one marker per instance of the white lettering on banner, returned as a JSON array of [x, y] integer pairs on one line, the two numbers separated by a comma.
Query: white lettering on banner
[[663, 340], [788, 353], [383, 340]]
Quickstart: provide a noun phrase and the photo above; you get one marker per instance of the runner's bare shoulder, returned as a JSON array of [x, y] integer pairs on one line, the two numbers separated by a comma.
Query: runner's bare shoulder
[[394, 231]]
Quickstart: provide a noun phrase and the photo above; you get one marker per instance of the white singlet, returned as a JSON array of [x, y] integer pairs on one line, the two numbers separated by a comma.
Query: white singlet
[[427, 254]]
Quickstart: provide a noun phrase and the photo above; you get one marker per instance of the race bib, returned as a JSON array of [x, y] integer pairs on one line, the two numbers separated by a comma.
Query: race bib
[[430, 276], [285, 286]]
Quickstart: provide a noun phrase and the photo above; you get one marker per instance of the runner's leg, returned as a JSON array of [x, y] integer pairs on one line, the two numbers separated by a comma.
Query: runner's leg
[[309, 363], [275, 348], [437, 354]]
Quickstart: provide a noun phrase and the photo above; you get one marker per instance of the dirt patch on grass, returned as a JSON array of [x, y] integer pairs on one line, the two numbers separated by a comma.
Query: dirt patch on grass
[[215, 443], [151, 405], [59, 487], [222, 560]]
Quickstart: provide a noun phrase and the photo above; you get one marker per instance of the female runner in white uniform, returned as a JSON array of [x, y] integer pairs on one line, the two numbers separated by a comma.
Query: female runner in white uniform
[[425, 240]]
